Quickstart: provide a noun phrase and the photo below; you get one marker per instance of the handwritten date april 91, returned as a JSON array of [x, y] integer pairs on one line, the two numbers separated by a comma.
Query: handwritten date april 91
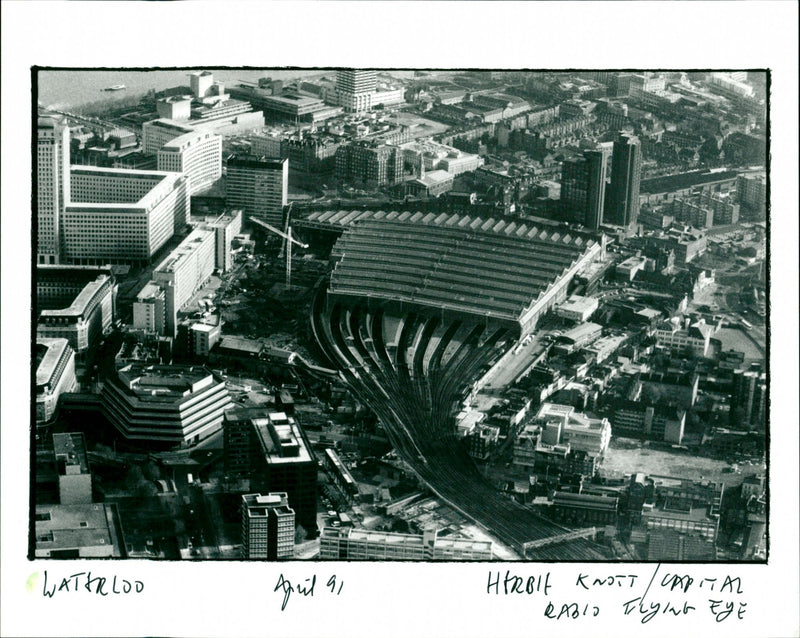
[[305, 588]]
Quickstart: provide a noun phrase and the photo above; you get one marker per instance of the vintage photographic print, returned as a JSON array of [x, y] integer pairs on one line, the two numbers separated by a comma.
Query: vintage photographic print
[[348, 314]]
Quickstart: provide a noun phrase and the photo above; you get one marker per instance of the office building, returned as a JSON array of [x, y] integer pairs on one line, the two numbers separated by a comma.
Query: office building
[[57, 286], [165, 406], [258, 186], [55, 374], [355, 89], [749, 400], [149, 309], [226, 226], [348, 543], [52, 186], [691, 337], [78, 531], [583, 188], [203, 337], [121, 216], [370, 163], [751, 191], [158, 132], [622, 205], [198, 155], [270, 450], [88, 316], [267, 527], [72, 465], [184, 271]]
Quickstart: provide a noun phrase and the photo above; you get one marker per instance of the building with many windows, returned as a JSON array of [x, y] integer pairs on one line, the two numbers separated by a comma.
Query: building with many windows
[[622, 205], [371, 163], [355, 89], [259, 186], [52, 186], [149, 309], [583, 188], [118, 215], [156, 133], [198, 155], [55, 374], [89, 315], [751, 191], [270, 449], [226, 226], [184, 271], [347, 543], [165, 406], [749, 399], [267, 527]]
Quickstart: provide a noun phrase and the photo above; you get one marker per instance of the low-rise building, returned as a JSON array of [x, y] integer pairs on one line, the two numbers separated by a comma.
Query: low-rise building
[[659, 423], [695, 337], [72, 465], [347, 543], [433, 184], [78, 531], [577, 308], [584, 510]]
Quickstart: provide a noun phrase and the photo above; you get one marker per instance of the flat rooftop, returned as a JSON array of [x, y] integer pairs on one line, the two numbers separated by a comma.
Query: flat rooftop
[[75, 526], [287, 444], [161, 383], [71, 448], [78, 306], [48, 354], [184, 250]]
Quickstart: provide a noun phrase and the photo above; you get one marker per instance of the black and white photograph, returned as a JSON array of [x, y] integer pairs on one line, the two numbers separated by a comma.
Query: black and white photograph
[[324, 322], [402, 315]]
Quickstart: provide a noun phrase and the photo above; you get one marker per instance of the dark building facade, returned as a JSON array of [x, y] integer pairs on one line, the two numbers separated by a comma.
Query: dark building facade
[[626, 175], [583, 188], [271, 450]]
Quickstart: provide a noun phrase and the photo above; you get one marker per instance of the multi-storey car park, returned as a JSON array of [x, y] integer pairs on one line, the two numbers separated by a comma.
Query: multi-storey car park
[[415, 312]]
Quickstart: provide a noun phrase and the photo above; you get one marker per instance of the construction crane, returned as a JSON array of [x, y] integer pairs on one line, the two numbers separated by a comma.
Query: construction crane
[[289, 241]]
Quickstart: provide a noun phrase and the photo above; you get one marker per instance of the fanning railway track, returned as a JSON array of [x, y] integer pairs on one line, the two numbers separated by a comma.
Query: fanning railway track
[[415, 386]]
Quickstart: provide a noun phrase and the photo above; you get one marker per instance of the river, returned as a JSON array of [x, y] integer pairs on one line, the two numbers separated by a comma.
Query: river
[[68, 88]]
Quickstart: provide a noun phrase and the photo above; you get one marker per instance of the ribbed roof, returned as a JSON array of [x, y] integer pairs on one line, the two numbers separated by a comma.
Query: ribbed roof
[[487, 267]]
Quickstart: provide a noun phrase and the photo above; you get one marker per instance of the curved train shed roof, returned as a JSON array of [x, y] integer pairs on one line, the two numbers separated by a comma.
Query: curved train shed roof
[[478, 267]]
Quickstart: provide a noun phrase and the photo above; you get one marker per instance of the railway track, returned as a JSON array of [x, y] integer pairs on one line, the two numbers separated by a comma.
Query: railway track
[[417, 410]]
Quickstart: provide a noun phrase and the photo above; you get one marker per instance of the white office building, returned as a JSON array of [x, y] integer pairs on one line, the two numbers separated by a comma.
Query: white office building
[[184, 271], [52, 188], [198, 155], [121, 216]]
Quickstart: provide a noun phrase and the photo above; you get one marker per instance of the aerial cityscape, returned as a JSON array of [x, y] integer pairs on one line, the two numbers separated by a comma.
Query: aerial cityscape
[[425, 315]]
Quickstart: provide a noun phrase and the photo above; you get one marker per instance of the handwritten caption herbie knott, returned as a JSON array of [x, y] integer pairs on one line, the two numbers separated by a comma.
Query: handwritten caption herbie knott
[[666, 592]]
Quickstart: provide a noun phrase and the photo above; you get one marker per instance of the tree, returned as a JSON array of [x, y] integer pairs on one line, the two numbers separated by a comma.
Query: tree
[[300, 535]]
